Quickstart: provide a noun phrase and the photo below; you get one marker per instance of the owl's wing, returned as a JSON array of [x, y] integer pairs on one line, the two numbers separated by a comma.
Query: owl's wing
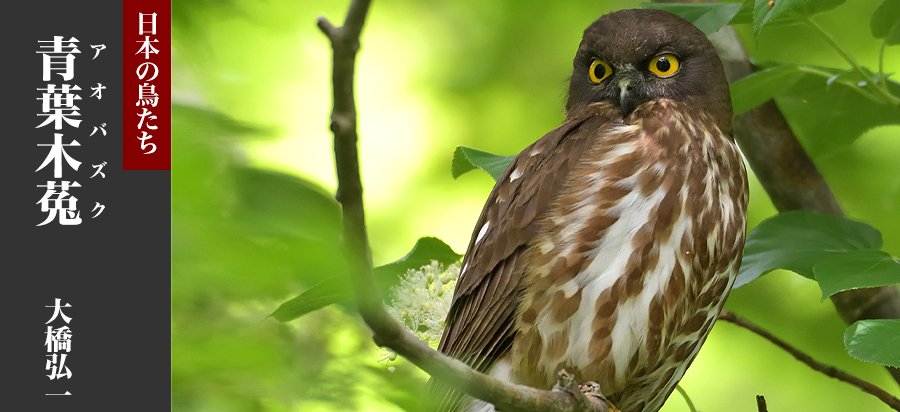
[[480, 325]]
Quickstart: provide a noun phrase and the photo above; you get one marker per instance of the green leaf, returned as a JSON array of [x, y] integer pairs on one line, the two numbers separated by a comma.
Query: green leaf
[[294, 221], [762, 86], [338, 289], [875, 341], [466, 159], [332, 290], [886, 22], [763, 14], [894, 36], [425, 250], [850, 77], [744, 14], [278, 203], [708, 17], [827, 117], [216, 125], [839, 92], [796, 241], [856, 269]]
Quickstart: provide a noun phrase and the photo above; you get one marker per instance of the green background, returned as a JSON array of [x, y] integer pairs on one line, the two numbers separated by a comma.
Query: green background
[[251, 84]]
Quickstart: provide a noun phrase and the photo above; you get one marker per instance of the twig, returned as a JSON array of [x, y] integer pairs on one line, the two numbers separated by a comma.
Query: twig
[[761, 404], [687, 399], [387, 332], [831, 371], [790, 177], [883, 92]]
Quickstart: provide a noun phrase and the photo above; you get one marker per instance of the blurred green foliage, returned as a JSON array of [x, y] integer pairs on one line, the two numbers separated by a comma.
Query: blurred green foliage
[[337, 288], [254, 223]]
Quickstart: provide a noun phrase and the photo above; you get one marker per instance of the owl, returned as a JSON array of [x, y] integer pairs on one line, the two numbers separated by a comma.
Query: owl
[[608, 247]]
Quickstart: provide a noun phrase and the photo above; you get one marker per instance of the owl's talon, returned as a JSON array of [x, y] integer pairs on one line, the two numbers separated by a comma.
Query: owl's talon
[[592, 391], [564, 379]]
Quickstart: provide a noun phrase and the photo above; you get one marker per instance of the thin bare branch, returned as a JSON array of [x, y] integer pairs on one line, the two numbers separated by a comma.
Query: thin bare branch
[[761, 404], [831, 371], [387, 331]]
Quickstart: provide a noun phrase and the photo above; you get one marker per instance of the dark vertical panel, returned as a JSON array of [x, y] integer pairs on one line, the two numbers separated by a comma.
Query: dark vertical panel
[[113, 269]]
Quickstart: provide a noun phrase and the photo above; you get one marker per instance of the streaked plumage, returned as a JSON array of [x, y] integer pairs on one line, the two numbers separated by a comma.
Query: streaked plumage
[[609, 245]]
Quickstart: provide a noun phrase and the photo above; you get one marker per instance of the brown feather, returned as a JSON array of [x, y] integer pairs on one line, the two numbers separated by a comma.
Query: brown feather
[[488, 290]]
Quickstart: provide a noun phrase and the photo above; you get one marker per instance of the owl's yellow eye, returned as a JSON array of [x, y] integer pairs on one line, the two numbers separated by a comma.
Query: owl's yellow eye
[[599, 71], [664, 65]]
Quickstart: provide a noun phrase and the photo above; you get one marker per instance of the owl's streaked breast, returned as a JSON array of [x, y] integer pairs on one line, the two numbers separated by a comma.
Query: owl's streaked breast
[[634, 258]]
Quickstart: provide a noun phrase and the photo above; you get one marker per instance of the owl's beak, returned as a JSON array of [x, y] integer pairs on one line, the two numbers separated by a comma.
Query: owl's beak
[[627, 98]]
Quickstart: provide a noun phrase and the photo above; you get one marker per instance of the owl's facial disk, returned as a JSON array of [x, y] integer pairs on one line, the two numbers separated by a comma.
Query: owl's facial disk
[[631, 57], [629, 85], [633, 85]]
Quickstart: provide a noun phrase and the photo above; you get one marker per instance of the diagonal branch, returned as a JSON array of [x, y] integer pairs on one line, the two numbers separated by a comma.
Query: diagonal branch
[[831, 371], [790, 177], [761, 404], [387, 331]]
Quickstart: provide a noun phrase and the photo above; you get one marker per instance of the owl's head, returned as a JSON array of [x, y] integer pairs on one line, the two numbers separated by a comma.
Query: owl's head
[[631, 57]]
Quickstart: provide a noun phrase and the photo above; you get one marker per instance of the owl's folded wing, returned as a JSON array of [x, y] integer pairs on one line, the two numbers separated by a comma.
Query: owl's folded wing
[[481, 323]]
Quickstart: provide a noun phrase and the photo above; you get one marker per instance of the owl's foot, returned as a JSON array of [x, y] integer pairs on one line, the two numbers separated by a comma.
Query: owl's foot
[[588, 392], [592, 391]]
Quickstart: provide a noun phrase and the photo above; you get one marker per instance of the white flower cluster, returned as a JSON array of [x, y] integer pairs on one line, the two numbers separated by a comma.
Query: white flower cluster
[[422, 299]]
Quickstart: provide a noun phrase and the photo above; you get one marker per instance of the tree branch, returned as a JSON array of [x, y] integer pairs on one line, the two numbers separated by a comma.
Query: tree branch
[[831, 371], [387, 331], [761, 404], [790, 177]]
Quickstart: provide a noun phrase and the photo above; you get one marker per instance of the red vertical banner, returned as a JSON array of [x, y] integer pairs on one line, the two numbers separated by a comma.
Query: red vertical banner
[[147, 113]]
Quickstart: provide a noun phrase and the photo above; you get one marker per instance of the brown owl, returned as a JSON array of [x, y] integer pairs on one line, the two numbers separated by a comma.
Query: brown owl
[[608, 246]]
